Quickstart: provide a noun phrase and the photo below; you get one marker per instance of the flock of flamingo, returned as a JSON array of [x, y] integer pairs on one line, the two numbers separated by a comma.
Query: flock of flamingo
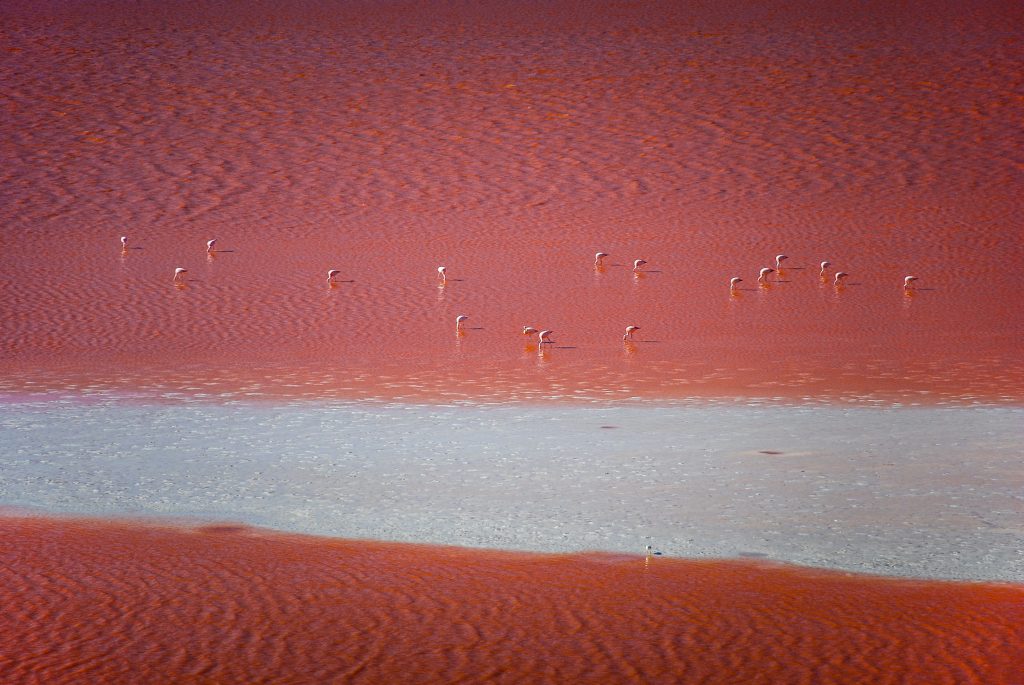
[[544, 336]]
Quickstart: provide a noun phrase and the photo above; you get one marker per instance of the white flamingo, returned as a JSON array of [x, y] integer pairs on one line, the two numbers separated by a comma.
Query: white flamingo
[[734, 281], [529, 330], [598, 257], [908, 282], [779, 258], [124, 242], [839, 278], [178, 273], [824, 267], [210, 244], [442, 274], [763, 277], [638, 263], [544, 337], [629, 332], [331, 274], [459, 320]]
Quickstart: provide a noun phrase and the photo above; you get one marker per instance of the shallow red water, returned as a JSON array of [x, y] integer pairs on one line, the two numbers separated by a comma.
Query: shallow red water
[[126, 603], [510, 142]]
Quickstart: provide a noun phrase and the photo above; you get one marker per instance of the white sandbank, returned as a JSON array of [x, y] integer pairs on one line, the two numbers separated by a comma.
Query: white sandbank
[[926, 492]]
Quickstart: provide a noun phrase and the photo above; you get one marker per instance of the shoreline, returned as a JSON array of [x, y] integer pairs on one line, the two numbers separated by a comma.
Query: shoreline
[[185, 525]]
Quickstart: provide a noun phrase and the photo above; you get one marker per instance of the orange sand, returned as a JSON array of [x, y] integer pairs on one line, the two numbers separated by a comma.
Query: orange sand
[[124, 603], [510, 142]]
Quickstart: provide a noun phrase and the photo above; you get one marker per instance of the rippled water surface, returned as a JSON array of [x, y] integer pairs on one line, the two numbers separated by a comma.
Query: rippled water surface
[[224, 604], [510, 143]]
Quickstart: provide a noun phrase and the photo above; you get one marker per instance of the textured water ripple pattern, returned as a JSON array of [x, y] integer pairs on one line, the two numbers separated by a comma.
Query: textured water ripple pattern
[[228, 604], [511, 145]]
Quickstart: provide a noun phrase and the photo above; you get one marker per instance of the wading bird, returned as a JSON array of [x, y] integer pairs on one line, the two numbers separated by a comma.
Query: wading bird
[[178, 274], [629, 332], [210, 244], [908, 282], [544, 337], [824, 267], [441, 274], [331, 274], [779, 258], [734, 281], [459, 320], [638, 263], [763, 277], [598, 257], [839, 278]]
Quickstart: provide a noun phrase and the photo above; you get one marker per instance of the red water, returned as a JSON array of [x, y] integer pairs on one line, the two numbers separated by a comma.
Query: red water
[[124, 603], [510, 142]]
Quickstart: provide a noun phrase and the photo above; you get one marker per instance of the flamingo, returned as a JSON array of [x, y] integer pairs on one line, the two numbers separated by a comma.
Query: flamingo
[[824, 265], [441, 274], [178, 273], [124, 242], [629, 332], [544, 337], [638, 263], [734, 281], [908, 282], [779, 258], [529, 330], [839, 277], [210, 244], [763, 278], [459, 321], [598, 257], [331, 274]]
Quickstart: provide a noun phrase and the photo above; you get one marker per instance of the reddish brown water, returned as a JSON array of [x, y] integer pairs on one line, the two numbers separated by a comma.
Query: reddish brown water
[[124, 603], [510, 142]]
